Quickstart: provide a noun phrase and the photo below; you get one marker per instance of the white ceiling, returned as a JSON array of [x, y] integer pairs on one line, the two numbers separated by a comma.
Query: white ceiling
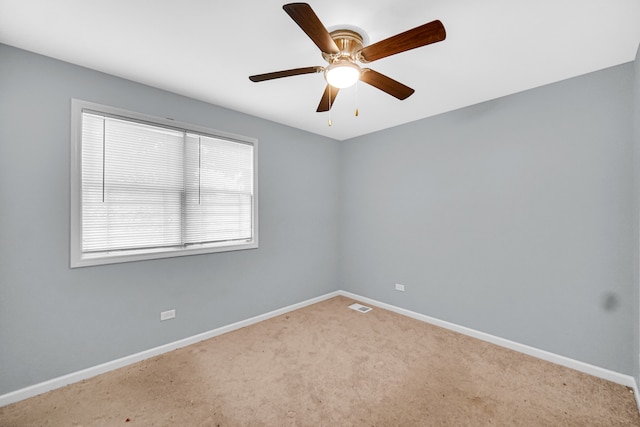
[[207, 50]]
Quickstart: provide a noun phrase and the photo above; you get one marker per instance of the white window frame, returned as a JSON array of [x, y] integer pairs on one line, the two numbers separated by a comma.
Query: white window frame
[[77, 258]]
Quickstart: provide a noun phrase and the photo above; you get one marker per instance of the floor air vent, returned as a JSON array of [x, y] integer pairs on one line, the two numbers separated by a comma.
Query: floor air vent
[[359, 307]]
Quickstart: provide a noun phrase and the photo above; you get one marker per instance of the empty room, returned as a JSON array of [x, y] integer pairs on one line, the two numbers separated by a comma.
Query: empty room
[[356, 213]]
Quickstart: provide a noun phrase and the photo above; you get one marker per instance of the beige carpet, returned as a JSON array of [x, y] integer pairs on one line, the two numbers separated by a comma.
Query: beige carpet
[[327, 365]]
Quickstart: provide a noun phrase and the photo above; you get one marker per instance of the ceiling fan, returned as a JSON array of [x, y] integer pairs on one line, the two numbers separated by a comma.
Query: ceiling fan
[[343, 49]]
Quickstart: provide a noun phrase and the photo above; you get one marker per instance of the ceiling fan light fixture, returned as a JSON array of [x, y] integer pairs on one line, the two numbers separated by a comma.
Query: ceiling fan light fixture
[[342, 74]]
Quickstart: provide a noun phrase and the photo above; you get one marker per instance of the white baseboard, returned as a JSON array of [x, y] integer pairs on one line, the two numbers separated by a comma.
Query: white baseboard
[[34, 390], [635, 394], [596, 371], [84, 374]]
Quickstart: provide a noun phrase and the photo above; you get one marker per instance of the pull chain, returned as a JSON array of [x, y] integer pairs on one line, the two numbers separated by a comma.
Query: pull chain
[[357, 112]]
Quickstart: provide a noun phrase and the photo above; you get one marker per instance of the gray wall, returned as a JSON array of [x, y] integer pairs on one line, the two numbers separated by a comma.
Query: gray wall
[[54, 320], [513, 217]]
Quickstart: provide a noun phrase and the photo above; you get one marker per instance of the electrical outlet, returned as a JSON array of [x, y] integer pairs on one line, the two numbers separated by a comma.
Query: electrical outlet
[[166, 315], [399, 287]]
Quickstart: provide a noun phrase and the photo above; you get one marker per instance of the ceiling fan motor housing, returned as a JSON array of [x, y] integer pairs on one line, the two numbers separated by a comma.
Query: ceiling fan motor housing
[[349, 43]]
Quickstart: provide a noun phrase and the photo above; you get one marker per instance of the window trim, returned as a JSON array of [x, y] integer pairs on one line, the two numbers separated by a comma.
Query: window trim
[[77, 259]]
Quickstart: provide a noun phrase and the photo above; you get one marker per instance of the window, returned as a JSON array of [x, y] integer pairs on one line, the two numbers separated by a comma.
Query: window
[[144, 187]]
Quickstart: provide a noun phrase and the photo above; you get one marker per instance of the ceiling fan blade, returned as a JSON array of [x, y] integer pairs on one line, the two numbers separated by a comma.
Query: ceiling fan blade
[[423, 35], [306, 18], [328, 97], [386, 84], [285, 73]]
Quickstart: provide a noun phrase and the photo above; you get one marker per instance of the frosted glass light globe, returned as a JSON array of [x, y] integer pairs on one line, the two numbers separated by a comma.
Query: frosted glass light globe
[[342, 74]]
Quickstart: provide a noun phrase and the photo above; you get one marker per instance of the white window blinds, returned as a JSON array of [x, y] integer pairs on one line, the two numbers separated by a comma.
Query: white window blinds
[[219, 189], [132, 185], [150, 188]]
